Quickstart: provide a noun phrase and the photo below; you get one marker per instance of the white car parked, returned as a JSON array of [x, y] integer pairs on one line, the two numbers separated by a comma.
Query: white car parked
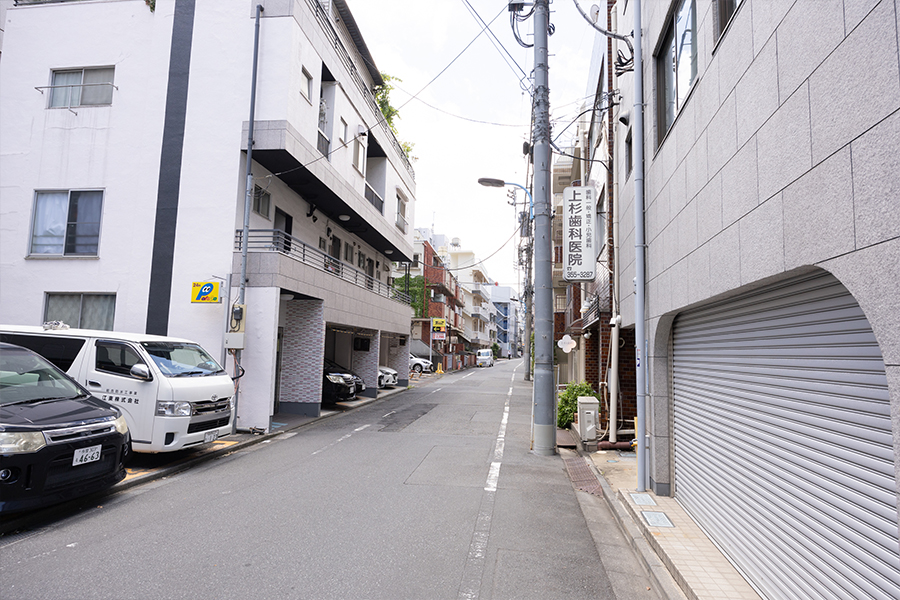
[[387, 377], [420, 364]]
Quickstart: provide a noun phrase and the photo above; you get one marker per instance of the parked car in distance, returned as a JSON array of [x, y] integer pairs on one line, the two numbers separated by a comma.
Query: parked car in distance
[[484, 358], [338, 384], [420, 364], [57, 441], [387, 377]]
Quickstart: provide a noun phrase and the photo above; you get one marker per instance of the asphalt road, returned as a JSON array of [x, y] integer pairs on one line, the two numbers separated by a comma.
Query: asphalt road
[[428, 494]]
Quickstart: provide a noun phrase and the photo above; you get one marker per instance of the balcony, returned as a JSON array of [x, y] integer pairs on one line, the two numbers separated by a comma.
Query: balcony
[[291, 248], [374, 198], [323, 144], [482, 313], [481, 290]]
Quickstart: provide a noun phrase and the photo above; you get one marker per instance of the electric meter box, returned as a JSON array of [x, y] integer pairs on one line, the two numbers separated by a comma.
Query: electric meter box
[[588, 416]]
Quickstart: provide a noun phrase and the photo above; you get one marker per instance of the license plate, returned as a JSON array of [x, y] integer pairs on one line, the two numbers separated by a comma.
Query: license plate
[[210, 436], [86, 455]]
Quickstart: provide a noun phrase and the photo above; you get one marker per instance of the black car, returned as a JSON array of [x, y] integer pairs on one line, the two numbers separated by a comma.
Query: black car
[[57, 441], [340, 384]]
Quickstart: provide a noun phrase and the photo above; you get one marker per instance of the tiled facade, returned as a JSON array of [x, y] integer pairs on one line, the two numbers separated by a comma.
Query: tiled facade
[[302, 348]]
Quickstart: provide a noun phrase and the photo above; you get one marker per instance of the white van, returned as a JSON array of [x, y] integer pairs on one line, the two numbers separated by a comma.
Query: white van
[[484, 358], [173, 394]]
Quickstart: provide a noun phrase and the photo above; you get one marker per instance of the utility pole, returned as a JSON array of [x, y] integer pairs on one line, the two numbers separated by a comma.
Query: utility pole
[[529, 293], [544, 394]]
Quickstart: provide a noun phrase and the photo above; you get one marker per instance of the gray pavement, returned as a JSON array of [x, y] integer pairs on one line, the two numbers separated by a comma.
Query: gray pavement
[[506, 548]]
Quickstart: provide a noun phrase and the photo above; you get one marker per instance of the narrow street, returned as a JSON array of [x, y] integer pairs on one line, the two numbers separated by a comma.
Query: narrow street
[[431, 493]]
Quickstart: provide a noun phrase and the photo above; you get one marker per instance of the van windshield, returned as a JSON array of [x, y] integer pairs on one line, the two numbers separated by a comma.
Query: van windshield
[[177, 359]]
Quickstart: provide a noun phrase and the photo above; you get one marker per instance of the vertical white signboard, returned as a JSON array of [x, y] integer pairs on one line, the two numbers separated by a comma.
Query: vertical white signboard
[[579, 235]]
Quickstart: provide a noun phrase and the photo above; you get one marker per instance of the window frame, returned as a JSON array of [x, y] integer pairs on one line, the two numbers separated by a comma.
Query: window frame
[[723, 15], [306, 89], [666, 49], [81, 85], [67, 224], [81, 312], [359, 155], [258, 195], [123, 370]]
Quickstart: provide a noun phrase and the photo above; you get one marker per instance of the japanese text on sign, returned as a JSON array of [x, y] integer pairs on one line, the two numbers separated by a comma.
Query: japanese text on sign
[[579, 245]]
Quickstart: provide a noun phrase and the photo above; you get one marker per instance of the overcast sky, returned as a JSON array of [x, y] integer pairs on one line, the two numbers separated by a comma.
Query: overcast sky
[[471, 121]]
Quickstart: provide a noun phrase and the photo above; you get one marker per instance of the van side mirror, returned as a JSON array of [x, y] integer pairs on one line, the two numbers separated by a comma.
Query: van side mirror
[[141, 371]]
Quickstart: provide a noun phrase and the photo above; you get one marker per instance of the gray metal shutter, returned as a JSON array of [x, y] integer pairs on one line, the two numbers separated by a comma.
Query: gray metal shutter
[[783, 447]]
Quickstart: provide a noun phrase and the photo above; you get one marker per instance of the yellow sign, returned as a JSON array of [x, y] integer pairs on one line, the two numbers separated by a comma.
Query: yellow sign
[[438, 325], [206, 292]]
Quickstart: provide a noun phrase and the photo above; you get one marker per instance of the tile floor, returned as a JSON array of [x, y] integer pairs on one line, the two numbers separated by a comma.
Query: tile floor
[[696, 564]]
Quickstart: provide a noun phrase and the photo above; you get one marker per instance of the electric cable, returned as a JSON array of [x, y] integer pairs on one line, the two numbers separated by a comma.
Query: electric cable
[[497, 44]]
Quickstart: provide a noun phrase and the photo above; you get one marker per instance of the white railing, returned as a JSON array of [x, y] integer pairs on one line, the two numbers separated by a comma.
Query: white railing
[[274, 240]]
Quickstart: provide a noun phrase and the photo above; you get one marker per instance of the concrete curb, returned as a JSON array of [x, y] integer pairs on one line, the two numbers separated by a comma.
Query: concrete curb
[[654, 566]]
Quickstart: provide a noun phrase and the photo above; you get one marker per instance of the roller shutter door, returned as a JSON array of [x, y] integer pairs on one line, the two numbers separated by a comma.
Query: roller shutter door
[[783, 447]]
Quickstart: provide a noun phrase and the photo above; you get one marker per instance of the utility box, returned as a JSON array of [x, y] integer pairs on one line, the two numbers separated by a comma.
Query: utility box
[[588, 415], [234, 340]]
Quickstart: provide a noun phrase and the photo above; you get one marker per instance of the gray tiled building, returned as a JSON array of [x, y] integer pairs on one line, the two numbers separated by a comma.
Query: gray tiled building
[[772, 229]]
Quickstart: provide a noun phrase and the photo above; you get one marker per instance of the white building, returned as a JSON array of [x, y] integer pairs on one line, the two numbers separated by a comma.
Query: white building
[[123, 147], [479, 313], [506, 304]]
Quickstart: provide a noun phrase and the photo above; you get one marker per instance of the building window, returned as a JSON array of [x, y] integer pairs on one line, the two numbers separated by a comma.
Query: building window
[[84, 311], [415, 262], [361, 263], [262, 201], [359, 154], [343, 131], [348, 253], [82, 87], [306, 85], [676, 64], [402, 223], [722, 13], [67, 223], [629, 154]]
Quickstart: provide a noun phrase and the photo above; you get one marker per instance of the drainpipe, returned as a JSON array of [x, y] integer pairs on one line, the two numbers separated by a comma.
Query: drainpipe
[[639, 266], [248, 194], [613, 377], [248, 200]]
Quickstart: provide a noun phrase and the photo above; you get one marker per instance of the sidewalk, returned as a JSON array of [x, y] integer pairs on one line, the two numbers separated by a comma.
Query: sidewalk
[[661, 531]]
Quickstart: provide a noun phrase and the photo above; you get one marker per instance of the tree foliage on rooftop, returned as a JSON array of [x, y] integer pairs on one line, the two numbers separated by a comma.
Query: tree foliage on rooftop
[[391, 114]]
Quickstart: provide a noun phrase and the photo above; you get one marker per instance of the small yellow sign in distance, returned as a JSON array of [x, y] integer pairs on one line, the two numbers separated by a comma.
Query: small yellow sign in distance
[[205, 292]]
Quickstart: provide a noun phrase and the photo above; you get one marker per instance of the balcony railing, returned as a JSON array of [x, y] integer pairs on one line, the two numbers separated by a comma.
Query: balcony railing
[[328, 29], [273, 240], [402, 223], [324, 145], [481, 313], [482, 290], [374, 198]]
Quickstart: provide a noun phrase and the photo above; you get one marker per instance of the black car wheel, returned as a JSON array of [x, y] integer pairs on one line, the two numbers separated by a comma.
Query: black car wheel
[[417, 368]]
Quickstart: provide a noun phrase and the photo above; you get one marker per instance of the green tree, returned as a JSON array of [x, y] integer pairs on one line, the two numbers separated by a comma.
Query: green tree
[[416, 292], [391, 114]]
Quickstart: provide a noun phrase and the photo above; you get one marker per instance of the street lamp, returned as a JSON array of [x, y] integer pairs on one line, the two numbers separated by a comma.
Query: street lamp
[[544, 404]]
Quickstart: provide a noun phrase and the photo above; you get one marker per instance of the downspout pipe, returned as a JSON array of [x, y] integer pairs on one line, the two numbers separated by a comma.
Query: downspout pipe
[[639, 265], [248, 194], [639, 243], [248, 203]]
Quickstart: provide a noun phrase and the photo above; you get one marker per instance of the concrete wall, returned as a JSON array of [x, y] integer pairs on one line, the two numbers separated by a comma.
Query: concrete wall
[[782, 159]]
